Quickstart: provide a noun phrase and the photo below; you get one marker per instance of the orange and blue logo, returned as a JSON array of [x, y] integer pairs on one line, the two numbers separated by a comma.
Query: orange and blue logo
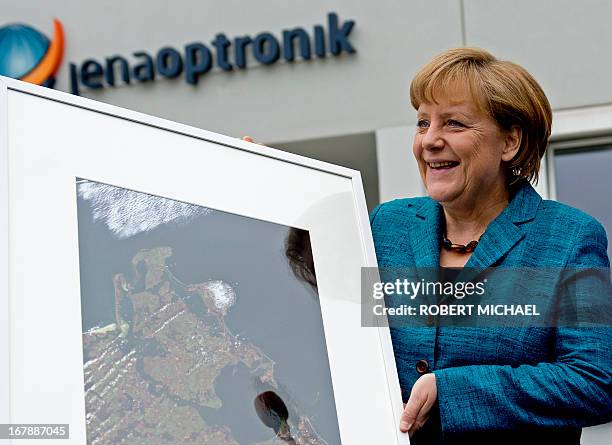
[[27, 54]]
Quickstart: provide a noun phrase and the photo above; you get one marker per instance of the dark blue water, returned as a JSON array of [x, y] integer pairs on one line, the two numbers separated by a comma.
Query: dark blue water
[[237, 388]]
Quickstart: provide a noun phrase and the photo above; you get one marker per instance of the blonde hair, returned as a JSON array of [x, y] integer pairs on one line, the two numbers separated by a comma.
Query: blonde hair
[[504, 90]]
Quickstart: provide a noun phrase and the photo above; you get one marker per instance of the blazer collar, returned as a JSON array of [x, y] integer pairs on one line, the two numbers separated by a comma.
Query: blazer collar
[[500, 236]]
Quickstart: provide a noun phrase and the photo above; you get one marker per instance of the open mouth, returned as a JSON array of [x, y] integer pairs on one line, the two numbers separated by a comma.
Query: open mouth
[[442, 165]]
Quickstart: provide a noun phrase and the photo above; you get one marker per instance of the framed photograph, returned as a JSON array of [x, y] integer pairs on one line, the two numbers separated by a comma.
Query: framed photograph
[[163, 284]]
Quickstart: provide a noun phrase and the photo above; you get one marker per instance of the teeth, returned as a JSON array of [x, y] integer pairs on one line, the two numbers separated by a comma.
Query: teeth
[[441, 164]]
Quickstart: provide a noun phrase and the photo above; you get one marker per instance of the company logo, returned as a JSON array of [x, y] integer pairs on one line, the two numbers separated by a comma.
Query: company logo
[[27, 54], [225, 53]]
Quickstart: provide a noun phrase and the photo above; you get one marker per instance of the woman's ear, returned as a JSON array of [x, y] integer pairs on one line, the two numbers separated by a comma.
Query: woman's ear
[[513, 143]]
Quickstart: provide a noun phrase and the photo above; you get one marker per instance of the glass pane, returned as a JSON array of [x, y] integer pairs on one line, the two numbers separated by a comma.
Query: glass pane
[[584, 181]]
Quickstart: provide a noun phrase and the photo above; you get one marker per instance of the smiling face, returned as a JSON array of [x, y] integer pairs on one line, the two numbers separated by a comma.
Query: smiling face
[[460, 151]]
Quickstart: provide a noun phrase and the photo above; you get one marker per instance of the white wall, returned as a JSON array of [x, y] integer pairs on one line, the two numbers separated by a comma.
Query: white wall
[[565, 44], [398, 171]]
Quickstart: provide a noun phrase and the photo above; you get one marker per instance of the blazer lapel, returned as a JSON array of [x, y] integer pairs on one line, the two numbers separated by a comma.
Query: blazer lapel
[[505, 231], [498, 239], [425, 235]]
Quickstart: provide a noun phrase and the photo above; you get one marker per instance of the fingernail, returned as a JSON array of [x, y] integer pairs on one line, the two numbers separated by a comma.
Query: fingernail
[[405, 426]]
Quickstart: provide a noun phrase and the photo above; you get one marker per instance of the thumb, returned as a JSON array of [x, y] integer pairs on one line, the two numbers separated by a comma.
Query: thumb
[[411, 412]]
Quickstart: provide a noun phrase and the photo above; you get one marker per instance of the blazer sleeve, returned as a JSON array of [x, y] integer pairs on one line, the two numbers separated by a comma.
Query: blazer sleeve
[[572, 391]]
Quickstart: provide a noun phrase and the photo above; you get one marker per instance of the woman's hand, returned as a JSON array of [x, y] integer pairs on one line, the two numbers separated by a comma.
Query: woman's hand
[[422, 397]]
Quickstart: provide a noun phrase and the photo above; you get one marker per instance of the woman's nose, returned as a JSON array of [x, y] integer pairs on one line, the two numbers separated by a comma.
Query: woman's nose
[[432, 139]]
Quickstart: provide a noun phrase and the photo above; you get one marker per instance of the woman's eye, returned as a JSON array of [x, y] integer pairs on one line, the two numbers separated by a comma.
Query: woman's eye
[[422, 123], [454, 123]]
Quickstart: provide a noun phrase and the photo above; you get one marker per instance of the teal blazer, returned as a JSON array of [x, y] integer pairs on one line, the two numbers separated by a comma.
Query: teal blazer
[[495, 385]]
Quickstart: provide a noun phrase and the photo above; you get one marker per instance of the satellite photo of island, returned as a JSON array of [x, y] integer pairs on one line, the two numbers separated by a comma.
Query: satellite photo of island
[[199, 326]]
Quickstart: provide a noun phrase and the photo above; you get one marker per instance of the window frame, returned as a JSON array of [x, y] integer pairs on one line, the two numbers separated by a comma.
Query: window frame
[[579, 129]]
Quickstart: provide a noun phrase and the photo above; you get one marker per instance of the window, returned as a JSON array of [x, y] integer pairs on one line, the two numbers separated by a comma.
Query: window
[[583, 179]]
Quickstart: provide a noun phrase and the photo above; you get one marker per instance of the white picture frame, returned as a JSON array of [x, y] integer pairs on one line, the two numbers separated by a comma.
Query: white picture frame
[[50, 138]]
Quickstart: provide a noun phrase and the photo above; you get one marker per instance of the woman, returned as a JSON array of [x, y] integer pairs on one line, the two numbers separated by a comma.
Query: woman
[[482, 129]]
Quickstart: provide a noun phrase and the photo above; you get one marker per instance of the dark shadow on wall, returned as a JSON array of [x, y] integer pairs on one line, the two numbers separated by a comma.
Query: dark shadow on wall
[[356, 151]]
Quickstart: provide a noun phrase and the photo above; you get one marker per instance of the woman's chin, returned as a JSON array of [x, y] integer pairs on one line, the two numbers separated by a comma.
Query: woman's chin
[[441, 192]]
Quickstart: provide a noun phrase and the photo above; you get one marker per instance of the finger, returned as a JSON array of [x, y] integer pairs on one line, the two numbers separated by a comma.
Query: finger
[[411, 412], [247, 138], [425, 409], [418, 424], [430, 401], [423, 413]]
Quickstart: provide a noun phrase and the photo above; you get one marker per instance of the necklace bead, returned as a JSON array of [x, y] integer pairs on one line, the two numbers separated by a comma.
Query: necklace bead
[[459, 248]]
